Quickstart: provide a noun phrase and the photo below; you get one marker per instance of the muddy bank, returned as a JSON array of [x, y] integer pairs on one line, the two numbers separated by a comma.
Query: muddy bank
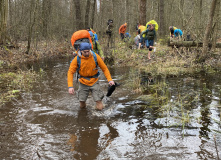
[[12, 58], [167, 61], [16, 73]]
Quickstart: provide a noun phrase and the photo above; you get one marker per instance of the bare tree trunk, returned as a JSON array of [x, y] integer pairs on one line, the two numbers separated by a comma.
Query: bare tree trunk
[[46, 11], [162, 28], [79, 23], [181, 7], [208, 28], [142, 17], [201, 13], [127, 5], [71, 16], [93, 11], [33, 8], [3, 21], [86, 24], [198, 20], [216, 26], [117, 24]]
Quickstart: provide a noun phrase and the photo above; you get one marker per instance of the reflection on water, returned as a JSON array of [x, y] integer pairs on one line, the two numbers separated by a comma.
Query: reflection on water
[[47, 122]]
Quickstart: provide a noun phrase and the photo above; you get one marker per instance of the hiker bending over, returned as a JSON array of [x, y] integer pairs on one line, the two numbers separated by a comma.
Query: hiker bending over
[[137, 40], [96, 46], [178, 33], [172, 28], [127, 36], [86, 64], [122, 30], [142, 38], [150, 37]]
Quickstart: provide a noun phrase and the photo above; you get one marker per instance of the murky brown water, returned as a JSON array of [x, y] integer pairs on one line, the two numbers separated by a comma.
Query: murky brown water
[[47, 122]]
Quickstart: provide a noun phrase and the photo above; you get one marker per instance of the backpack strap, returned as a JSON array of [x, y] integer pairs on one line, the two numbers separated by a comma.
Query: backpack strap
[[96, 47], [95, 58], [79, 64]]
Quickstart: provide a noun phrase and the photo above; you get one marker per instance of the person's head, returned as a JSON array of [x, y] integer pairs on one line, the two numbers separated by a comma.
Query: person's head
[[151, 27], [88, 28], [110, 21], [171, 28], [85, 49], [125, 24]]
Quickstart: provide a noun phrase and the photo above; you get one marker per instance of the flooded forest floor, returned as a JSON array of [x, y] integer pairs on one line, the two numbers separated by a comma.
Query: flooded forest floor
[[165, 108], [166, 62]]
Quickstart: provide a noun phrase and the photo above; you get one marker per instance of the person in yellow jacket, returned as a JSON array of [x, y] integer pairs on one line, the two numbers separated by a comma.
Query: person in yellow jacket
[[88, 75]]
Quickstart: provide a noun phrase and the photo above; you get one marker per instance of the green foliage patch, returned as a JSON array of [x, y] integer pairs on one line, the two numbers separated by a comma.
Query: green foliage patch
[[11, 84]]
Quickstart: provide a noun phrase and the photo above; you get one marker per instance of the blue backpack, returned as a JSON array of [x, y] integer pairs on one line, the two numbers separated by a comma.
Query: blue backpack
[[79, 65], [95, 37]]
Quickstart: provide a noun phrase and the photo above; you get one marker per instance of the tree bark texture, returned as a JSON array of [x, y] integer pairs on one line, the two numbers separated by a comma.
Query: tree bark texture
[[208, 27], [216, 26], [142, 15], [87, 12], [32, 19], [46, 11], [162, 27], [93, 11], [78, 22], [191, 44], [3, 21]]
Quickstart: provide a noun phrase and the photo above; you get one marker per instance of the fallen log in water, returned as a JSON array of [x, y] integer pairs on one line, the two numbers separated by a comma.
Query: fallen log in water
[[190, 44]]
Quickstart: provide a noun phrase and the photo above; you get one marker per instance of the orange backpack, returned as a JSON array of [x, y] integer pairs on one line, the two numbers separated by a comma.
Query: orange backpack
[[80, 36]]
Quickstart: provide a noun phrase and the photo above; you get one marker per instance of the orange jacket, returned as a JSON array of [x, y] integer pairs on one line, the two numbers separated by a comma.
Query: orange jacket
[[87, 69], [122, 29]]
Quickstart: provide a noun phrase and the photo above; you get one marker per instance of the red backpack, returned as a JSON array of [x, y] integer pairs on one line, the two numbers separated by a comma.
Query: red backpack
[[80, 36]]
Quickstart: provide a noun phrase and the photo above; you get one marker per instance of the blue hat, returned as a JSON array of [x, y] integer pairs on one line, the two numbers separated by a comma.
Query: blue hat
[[91, 33], [85, 46]]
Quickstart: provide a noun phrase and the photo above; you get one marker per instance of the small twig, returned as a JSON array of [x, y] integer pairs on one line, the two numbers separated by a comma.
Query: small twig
[[39, 156], [216, 147], [36, 151], [178, 51]]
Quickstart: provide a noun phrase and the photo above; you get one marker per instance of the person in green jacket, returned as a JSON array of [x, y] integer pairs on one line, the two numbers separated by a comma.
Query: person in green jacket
[[150, 37], [96, 46]]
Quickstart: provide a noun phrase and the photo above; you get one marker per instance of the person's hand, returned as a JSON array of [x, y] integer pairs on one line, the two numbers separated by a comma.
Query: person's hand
[[71, 90], [111, 83], [102, 58]]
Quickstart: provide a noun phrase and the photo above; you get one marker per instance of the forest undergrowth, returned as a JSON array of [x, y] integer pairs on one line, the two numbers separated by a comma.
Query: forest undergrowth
[[166, 62], [13, 79]]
